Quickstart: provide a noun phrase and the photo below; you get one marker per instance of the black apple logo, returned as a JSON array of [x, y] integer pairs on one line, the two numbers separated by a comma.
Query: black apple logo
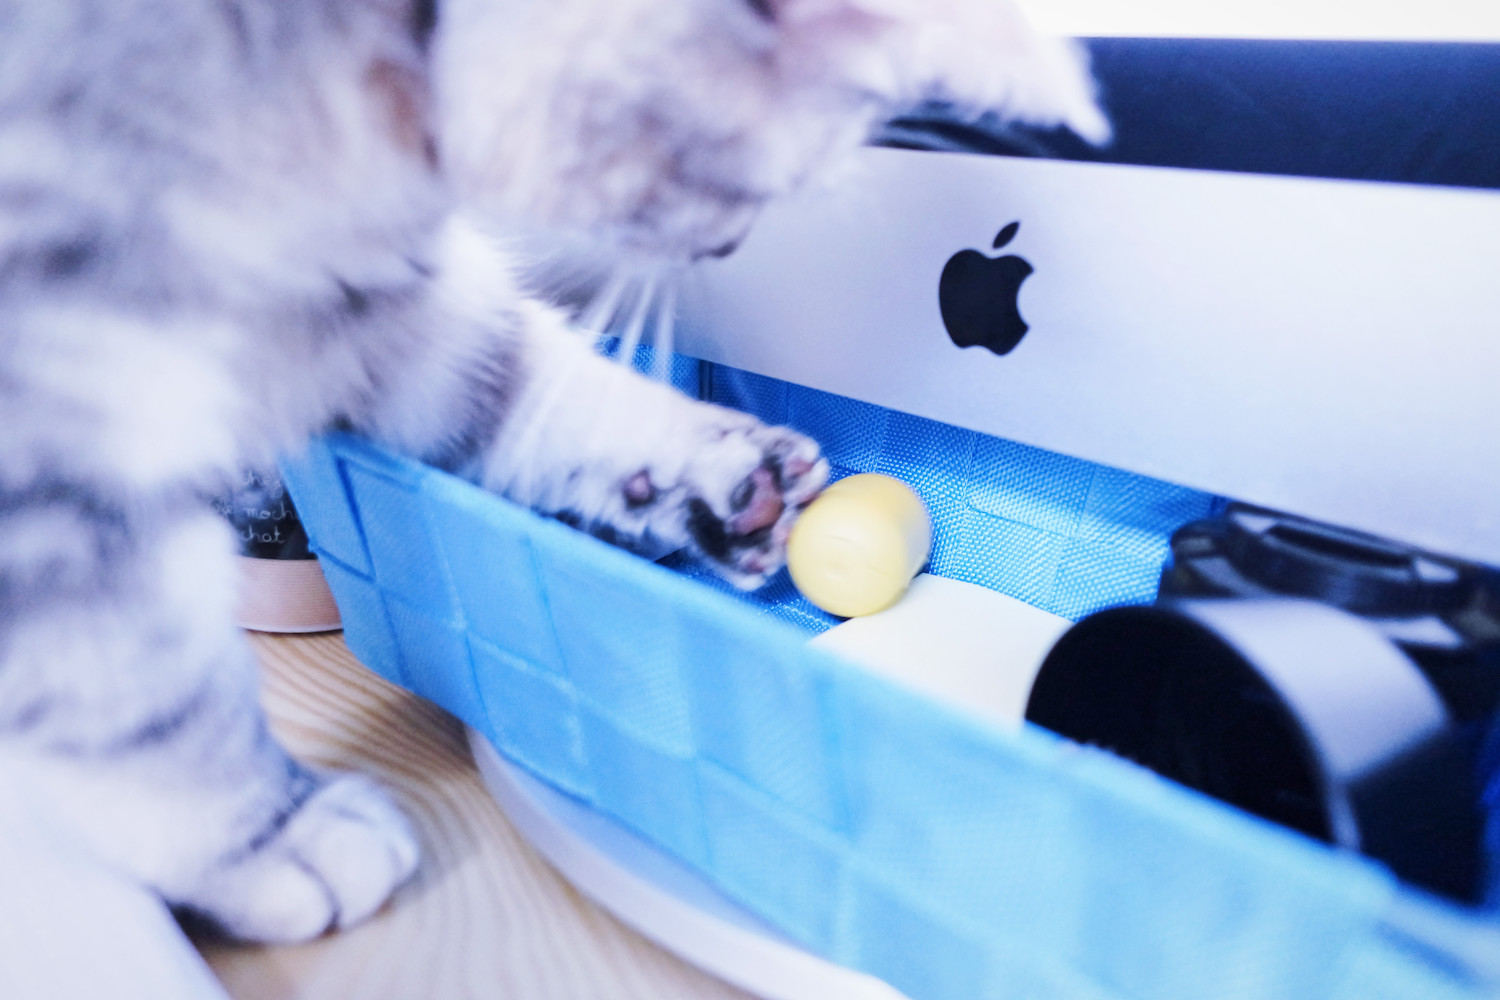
[[977, 297]]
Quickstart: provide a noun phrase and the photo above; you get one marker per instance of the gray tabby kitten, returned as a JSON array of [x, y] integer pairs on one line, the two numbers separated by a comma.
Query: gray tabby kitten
[[228, 224]]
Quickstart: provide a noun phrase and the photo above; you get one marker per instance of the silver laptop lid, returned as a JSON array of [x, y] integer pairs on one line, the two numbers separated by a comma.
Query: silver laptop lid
[[1279, 284]]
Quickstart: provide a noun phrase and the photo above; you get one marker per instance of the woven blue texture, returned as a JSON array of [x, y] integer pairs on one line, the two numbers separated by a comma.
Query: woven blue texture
[[360, 600], [1066, 535], [958, 861]]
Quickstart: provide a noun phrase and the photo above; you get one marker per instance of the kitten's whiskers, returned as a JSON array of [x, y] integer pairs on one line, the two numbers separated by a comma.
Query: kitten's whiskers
[[630, 338], [666, 325], [600, 312]]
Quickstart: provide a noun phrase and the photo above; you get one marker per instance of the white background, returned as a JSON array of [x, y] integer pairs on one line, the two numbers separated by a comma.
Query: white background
[[1429, 20]]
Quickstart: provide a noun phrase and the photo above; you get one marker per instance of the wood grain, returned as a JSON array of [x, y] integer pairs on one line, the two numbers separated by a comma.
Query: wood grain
[[485, 916]]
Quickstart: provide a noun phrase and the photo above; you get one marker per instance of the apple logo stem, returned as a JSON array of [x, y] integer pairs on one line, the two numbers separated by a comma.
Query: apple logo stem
[[977, 296]]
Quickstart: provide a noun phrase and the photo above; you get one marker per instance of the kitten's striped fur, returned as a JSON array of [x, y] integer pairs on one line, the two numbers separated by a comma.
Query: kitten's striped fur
[[228, 224]]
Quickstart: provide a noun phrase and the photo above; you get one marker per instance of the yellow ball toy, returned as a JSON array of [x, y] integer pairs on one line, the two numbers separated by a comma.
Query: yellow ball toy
[[856, 548]]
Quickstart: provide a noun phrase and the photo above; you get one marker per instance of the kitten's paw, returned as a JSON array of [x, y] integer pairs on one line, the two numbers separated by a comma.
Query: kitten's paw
[[745, 491], [332, 864]]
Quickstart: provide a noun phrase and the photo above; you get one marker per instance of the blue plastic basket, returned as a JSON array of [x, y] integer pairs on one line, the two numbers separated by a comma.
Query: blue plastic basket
[[955, 860]]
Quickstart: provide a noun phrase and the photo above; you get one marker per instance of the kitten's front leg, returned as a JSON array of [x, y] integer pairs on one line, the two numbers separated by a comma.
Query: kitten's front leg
[[641, 465], [480, 379], [128, 710]]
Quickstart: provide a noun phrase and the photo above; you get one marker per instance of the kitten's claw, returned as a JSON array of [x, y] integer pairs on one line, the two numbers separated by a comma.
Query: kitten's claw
[[332, 864], [740, 518], [656, 471]]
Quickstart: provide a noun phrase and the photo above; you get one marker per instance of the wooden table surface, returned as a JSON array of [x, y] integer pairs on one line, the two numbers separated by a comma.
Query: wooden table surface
[[485, 916]]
